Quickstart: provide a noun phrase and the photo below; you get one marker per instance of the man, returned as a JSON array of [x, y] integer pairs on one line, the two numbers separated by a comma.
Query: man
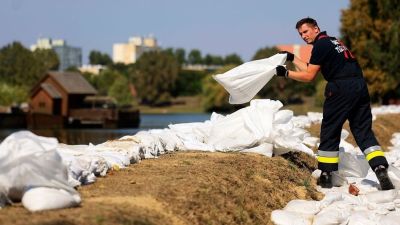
[[346, 97]]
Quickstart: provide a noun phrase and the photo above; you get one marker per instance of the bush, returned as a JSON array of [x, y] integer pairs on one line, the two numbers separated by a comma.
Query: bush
[[12, 94]]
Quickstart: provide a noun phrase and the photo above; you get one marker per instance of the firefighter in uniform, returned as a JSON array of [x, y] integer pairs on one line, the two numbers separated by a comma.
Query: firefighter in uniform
[[346, 98]]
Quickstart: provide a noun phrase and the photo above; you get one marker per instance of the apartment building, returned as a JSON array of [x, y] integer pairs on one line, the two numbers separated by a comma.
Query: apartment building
[[129, 52]]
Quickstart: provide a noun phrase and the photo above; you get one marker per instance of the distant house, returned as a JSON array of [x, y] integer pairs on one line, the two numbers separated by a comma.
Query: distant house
[[66, 99], [59, 92]]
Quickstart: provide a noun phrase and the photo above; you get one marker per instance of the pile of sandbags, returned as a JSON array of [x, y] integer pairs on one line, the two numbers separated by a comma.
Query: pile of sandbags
[[31, 171], [339, 206]]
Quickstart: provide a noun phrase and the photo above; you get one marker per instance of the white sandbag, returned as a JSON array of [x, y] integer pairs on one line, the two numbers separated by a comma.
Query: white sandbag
[[382, 196], [301, 121], [303, 206], [361, 218], [231, 133], [311, 141], [285, 144], [78, 170], [338, 179], [352, 165], [392, 218], [330, 197], [26, 163], [262, 115], [283, 217], [192, 133], [283, 116], [152, 147], [169, 139], [315, 117], [255, 124], [128, 147], [245, 81], [394, 174], [83, 162], [44, 198], [263, 149], [335, 214]]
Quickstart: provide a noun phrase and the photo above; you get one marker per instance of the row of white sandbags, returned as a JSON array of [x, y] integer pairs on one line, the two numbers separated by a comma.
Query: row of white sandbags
[[42, 173], [370, 207]]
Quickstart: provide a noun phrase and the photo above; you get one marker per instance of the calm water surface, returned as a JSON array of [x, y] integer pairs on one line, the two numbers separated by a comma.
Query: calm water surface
[[97, 136]]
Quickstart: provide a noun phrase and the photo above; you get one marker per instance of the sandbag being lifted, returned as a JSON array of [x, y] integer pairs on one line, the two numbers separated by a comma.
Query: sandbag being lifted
[[245, 81]]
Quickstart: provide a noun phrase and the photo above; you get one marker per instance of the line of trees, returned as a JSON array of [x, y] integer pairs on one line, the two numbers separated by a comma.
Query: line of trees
[[372, 30], [195, 57]]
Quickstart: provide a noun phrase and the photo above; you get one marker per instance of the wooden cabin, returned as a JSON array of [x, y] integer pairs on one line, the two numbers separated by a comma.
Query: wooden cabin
[[66, 99], [60, 92]]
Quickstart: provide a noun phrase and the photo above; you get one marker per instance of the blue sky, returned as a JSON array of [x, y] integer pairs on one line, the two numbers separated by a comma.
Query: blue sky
[[217, 27]]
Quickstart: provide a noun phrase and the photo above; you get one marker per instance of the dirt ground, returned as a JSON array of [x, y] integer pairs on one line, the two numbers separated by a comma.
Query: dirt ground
[[194, 188]]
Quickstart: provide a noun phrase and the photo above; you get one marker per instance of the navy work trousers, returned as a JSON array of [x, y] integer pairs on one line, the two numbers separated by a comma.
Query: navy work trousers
[[347, 99]]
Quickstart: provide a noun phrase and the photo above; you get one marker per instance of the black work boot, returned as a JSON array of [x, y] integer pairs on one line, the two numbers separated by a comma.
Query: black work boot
[[383, 177], [325, 180]]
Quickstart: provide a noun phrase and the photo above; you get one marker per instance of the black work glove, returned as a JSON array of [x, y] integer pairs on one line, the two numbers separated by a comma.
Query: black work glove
[[281, 71], [289, 55]]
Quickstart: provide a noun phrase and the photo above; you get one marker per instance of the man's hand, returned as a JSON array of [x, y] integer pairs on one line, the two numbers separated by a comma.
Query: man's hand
[[289, 55], [281, 71]]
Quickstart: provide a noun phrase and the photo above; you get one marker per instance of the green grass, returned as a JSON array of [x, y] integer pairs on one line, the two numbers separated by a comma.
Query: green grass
[[190, 104]]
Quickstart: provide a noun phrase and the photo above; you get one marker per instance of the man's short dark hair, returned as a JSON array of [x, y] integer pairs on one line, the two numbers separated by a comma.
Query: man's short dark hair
[[307, 20]]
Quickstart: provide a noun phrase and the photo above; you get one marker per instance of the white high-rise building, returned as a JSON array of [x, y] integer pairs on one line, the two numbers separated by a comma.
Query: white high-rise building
[[129, 52]]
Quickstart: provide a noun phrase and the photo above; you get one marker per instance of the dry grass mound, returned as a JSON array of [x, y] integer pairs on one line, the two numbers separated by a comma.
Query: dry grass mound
[[186, 188]]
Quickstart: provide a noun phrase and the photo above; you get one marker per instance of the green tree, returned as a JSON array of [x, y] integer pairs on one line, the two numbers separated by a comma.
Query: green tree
[[195, 57], [371, 29], [188, 83], [10, 94], [104, 80], [213, 60], [120, 91], [18, 66], [233, 59], [47, 59], [180, 55], [98, 58], [121, 68], [155, 75], [265, 53]]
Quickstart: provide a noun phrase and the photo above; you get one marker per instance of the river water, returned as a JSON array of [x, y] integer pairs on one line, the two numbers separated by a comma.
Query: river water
[[97, 136]]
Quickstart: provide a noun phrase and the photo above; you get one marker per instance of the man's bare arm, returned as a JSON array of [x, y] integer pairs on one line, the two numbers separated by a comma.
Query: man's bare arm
[[306, 75]]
